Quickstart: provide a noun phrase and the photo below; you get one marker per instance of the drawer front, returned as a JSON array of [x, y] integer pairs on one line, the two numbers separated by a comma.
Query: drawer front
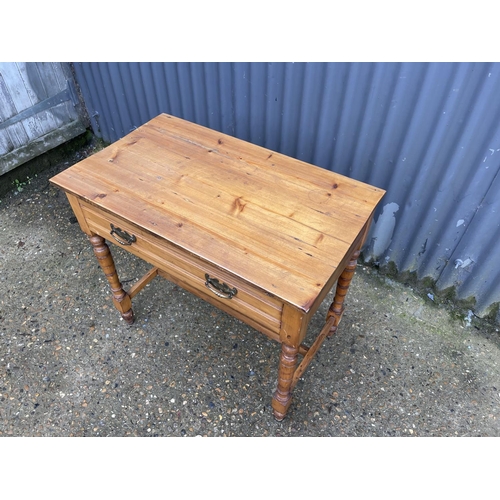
[[224, 290]]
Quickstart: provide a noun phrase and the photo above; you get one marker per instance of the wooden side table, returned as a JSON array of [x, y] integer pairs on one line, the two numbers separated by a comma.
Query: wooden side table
[[262, 236]]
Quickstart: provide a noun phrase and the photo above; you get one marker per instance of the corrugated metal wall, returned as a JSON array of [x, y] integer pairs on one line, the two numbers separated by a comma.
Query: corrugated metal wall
[[428, 133]]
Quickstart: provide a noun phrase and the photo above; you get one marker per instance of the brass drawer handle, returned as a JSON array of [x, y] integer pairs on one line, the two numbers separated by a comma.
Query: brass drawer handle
[[123, 237], [220, 289]]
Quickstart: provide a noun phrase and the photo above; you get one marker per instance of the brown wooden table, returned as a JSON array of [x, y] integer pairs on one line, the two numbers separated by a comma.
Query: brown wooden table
[[262, 236]]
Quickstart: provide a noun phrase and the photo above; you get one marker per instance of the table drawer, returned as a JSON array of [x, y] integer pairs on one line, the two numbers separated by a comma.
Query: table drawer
[[219, 287]]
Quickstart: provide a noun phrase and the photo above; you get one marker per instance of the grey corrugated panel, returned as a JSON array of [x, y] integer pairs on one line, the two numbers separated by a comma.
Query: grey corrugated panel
[[467, 271], [422, 131], [449, 179], [446, 178]]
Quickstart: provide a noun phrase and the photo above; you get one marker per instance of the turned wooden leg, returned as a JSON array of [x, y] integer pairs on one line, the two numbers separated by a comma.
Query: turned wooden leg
[[121, 299], [283, 395], [337, 308]]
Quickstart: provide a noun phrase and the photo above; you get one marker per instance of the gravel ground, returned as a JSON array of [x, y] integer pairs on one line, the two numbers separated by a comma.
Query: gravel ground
[[70, 366]]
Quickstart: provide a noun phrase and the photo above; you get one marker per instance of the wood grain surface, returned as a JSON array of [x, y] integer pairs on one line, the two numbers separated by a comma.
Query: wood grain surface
[[279, 224]]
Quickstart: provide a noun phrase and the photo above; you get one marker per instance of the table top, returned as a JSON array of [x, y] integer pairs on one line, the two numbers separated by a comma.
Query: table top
[[278, 223]]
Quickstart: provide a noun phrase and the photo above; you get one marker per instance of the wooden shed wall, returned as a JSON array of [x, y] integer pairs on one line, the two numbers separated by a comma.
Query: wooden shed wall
[[39, 110]]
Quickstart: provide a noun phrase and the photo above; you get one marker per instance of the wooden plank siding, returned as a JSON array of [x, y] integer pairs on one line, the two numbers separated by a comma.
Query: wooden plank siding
[[39, 110]]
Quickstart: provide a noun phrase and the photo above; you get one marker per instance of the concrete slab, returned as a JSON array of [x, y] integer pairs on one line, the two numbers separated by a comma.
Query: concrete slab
[[69, 366]]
